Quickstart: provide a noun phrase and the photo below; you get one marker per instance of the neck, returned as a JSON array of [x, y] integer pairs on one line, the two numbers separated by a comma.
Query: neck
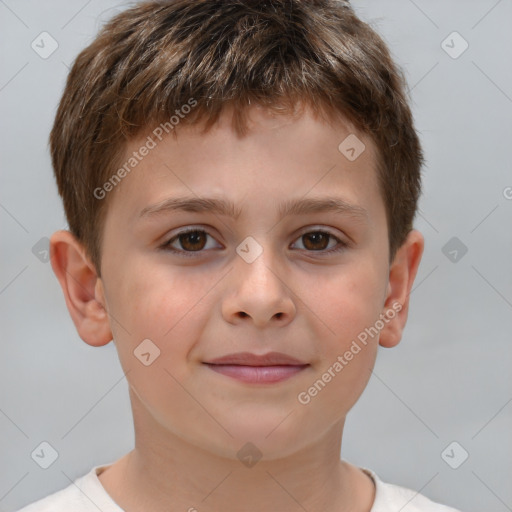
[[166, 473]]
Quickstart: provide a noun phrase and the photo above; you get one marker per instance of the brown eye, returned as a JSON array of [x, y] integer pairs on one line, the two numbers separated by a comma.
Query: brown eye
[[316, 240], [188, 242], [193, 240]]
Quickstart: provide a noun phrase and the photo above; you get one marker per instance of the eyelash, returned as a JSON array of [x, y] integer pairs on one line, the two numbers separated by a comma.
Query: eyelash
[[167, 245]]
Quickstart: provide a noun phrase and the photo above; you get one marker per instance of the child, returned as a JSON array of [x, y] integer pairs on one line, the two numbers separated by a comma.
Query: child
[[240, 180]]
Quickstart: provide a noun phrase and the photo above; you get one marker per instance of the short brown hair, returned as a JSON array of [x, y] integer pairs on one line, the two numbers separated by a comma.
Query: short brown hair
[[280, 54]]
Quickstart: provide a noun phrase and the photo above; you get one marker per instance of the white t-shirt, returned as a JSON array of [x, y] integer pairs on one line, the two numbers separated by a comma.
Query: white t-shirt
[[87, 494]]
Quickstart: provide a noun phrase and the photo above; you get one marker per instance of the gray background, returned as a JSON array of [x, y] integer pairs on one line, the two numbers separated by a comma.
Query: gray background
[[448, 380]]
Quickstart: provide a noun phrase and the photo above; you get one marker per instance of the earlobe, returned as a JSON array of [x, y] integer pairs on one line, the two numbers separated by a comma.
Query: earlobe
[[402, 273], [82, 288]]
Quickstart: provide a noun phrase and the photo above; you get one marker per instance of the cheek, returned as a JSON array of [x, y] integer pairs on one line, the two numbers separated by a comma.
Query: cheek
[[149, 299], [348, 356], [342, 304], [345, 302], [164, 307], [153, 353]]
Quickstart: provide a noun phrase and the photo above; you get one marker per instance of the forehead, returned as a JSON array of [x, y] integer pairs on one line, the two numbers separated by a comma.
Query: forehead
[[280, 158]]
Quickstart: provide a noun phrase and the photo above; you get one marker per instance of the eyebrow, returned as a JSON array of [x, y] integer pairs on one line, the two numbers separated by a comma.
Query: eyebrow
[[227, 208]]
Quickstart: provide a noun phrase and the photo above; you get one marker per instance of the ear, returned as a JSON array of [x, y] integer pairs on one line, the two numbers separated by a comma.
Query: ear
[[82, 288], [402, 273]]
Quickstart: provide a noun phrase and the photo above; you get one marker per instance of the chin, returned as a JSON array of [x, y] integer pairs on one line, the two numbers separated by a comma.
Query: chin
[[267, 436]]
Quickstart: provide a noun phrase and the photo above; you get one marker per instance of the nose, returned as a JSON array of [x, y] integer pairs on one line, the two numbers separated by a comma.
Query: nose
[[257, 293]]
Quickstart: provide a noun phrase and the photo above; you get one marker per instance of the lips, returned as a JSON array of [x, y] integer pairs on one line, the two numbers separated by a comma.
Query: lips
[[249, 359], [257, 369]]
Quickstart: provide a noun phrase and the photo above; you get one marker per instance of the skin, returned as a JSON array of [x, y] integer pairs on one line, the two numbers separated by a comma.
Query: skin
[[190, 422]]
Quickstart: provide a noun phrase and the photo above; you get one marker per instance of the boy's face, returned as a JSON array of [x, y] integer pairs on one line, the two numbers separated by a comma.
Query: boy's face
[[221, 296]]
